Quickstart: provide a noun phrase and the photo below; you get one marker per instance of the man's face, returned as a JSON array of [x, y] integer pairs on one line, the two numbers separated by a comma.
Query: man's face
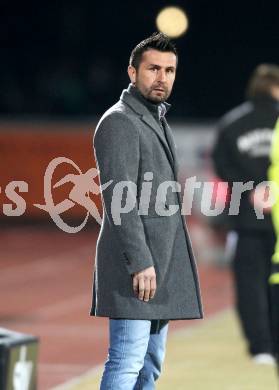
[[155, 76]]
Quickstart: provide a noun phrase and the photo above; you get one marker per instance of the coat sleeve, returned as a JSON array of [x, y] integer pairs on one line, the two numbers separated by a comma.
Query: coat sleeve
[[229, 164], [117, 152], [223, 160], [233, 166]]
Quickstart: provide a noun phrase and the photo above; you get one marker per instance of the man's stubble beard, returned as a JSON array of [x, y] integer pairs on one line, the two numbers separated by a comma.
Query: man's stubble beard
[[157, 99], [147, 94]]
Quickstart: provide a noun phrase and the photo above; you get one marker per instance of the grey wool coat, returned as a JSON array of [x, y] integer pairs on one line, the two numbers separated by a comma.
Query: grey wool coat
[[129, 142]]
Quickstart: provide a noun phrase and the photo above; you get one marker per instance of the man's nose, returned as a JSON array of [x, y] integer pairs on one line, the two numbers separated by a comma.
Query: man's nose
[[161, 76]]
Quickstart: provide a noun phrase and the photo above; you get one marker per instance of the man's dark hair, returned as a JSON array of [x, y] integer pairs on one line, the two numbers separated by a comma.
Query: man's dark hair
[[264, 77], [157, 41]]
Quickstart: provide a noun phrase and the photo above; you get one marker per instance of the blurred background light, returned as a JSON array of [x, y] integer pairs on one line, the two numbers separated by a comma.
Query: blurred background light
[[172, 21]]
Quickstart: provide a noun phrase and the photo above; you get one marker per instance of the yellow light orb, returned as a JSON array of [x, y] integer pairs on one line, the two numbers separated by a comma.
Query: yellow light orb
[[172, 21]]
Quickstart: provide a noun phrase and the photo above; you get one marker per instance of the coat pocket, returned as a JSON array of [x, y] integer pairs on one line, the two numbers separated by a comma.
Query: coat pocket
[[151, 211], [159, 210]]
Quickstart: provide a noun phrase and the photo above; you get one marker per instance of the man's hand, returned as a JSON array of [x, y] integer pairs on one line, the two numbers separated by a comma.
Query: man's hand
[[144, 284]]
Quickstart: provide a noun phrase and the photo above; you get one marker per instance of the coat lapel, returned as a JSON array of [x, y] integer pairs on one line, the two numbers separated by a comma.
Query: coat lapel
[[172, 145], [151, 122], [168, 144]]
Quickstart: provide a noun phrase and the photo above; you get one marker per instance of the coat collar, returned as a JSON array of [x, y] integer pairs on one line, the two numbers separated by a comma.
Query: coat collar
[[144, 109], [153, 108]]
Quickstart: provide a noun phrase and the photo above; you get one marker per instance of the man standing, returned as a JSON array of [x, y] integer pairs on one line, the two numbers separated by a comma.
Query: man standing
[[241, 154], [145, 271]]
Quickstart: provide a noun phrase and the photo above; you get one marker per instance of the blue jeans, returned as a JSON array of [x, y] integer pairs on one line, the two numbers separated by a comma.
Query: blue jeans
[[135, 356]]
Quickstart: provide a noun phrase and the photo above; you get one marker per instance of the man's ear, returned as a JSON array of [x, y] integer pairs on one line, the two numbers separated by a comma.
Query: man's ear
[[132, 72]]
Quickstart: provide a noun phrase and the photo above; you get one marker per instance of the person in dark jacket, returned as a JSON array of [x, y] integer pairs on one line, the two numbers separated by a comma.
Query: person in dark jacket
[[241, 154]]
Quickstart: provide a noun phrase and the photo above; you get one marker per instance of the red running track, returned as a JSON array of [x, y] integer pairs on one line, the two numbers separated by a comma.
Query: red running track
[[45, 287]]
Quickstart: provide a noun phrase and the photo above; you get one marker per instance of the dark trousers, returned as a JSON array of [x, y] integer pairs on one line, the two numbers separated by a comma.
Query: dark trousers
[[275, 318], [252, 267]]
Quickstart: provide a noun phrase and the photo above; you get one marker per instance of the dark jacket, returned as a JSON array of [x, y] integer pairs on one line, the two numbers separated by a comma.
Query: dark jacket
[[128, 143], [241, 153]]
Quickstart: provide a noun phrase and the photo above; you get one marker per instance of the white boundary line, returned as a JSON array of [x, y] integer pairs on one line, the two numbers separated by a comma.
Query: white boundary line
[[182, 331], [76, 381]]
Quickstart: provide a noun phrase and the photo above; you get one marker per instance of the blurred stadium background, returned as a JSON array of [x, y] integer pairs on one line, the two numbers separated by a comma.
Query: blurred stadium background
[[63, 64]]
